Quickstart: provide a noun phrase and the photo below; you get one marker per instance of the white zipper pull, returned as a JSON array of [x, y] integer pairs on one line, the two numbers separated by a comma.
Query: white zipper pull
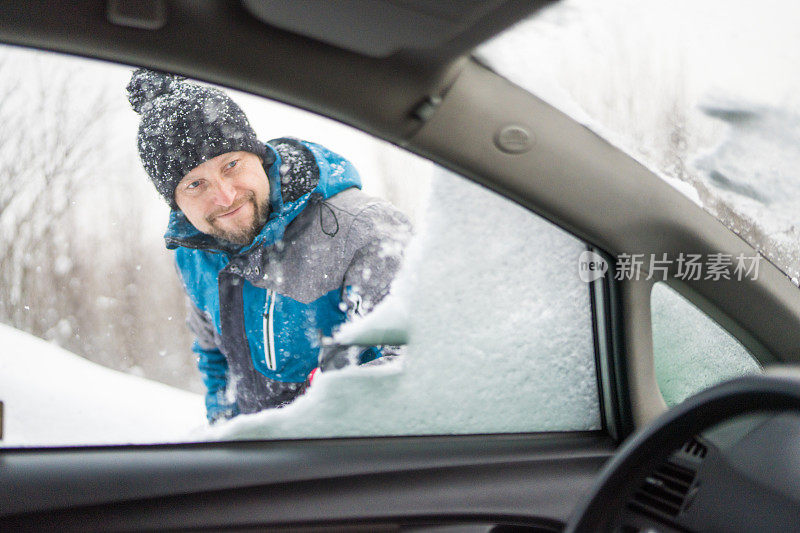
[[269, 348]]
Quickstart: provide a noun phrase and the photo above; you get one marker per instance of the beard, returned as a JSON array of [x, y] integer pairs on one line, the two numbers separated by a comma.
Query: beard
[[244, 235]]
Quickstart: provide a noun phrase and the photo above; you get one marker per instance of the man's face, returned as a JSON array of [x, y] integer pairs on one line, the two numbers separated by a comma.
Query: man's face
[[227, 196]]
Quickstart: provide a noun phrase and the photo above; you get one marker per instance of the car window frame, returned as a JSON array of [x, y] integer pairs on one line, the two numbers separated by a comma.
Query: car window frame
[[605, 314]]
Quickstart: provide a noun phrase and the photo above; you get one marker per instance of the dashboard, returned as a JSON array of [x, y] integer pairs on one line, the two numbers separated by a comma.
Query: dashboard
[[742, 475]]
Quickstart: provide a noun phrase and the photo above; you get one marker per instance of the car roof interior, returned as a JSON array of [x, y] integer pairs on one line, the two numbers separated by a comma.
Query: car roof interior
[[408, 77]]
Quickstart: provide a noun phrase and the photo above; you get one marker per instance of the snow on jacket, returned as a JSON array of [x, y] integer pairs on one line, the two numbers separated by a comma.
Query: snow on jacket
[[258, 312]]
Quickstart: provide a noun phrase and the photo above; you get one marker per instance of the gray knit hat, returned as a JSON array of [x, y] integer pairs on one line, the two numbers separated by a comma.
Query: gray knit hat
[[185, 124]]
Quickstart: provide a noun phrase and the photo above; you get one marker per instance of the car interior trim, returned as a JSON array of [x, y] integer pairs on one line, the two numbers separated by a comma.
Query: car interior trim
[[605, 197], [266, 480], [609, 355]]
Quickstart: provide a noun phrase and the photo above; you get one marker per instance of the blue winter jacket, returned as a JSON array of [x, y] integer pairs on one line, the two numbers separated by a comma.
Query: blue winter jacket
[[327, 251]]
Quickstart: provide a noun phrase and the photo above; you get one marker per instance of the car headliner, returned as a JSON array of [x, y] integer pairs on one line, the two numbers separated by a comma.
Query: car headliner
[[439, 102]]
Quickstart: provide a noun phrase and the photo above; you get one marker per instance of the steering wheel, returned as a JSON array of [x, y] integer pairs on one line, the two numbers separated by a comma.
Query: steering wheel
[[640, 455]]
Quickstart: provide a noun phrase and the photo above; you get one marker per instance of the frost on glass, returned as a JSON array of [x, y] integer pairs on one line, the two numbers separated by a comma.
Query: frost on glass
[[691, 352], [703, 92], [500, 335]]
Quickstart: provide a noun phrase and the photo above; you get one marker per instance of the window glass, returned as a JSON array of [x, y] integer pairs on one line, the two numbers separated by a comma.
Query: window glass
[[112, 338], [702, 92], [499, 334], [692, 352]]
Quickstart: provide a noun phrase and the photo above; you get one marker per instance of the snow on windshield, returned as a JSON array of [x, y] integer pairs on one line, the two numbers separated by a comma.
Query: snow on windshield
[[705, 93]]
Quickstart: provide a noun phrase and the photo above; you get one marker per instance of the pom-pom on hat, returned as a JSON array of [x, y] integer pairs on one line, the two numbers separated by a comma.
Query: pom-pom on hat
[[185, 124]]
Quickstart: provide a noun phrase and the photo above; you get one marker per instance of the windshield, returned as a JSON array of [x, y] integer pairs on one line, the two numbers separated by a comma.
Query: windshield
[[702, 92]]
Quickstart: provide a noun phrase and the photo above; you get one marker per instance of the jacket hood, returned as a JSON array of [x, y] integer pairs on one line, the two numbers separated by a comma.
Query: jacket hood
[[301, 172]]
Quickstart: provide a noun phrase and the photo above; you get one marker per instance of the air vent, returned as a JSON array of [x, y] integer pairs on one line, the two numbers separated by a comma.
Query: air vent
[[662, 494], [695, 448]]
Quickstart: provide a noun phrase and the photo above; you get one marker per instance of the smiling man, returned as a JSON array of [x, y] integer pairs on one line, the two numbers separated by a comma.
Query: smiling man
[[274, 242], [227, 196]]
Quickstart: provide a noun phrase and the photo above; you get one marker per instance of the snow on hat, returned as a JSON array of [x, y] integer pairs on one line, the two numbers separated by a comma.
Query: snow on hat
[[183, 125]]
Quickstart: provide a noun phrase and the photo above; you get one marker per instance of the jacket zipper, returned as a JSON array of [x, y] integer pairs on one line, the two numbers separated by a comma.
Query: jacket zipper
[[269, 348]]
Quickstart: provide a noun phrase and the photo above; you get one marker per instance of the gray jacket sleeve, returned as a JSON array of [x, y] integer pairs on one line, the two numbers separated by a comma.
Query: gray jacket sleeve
[[376, 242], [200, 324]]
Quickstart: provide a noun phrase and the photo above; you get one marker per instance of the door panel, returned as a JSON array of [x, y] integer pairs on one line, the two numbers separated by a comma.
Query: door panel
[[529, 479]]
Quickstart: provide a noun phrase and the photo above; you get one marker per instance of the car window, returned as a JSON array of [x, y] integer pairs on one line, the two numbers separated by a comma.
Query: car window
[[115, 334], [704, 93], [691, 351]]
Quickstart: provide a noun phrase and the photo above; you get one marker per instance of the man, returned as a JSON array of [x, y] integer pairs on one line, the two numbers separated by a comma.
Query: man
[[274, 242]]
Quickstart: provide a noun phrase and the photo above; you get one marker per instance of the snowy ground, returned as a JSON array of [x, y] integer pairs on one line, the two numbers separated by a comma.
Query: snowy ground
[[53, 397]]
